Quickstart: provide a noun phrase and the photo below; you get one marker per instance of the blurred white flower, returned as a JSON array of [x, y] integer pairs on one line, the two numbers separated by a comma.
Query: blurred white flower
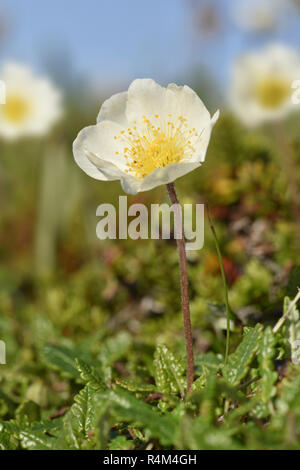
[[146, 137], [32, 106], [261, 88], [258, 16]]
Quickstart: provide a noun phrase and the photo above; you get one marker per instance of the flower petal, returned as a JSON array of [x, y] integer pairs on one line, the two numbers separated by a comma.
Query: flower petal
[[202, 142], [146, 97], [98, 141], [113, 109], [130, 184], [81, 156], [100, 150], [188, 104], [166, 175]]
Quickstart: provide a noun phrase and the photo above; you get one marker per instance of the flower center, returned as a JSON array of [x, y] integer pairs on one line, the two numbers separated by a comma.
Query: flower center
[[16, 108], [150, 146], [273, 92]]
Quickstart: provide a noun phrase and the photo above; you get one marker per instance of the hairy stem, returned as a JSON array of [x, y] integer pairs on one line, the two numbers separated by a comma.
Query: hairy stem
[[184, 286]]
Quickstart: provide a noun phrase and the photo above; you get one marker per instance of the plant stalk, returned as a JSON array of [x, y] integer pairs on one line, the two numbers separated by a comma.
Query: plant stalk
[[184, 286]]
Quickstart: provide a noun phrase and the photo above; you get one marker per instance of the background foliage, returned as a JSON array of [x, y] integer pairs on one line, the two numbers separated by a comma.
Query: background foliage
[[93, 329], [95, 352]]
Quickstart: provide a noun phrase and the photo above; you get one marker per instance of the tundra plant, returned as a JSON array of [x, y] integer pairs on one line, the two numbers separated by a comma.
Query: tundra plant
[[262, 85], [146, 137], [32, 104]]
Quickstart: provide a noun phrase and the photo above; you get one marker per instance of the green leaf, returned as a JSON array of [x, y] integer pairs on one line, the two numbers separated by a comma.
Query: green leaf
[[10, 404], [293, 329], [126, 407], [266, 355], [236, 416], [287, 405], [209, 400], [104, 422], [61, 359], [89, 374], [169, 372], [121, 443], [197, 434], [38, 436], [239, 362], [35, 440], [80, 419], [209, 361], [115, 348], [201, 381], [28, 410], [134, 386], [5, 441]]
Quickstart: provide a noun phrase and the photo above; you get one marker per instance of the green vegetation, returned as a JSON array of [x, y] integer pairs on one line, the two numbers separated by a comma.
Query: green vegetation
[[93, 329]]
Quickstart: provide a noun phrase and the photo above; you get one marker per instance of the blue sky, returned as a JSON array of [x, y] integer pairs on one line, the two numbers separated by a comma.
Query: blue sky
[[114, 41], [110, 37]]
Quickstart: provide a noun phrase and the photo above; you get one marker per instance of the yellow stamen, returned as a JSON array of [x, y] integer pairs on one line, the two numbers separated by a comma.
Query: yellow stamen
[[16, 109], [272, 92], [150, 147]]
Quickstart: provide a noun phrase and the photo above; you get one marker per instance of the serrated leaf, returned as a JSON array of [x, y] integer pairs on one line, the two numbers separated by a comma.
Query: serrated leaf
[[61, 359], [36, 440], [160, 374], [133, 386], [5, 441], [14, 427], [239, 362], [201, 381], [293, 329], [38, 436], [266, 355], [209, 361], [82, 411], [89, 374], [266, 352], [169, 372], [80, 419]]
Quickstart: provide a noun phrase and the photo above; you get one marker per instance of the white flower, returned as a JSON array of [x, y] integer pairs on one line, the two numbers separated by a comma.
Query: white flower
[[261, 88], [258, 16], [32, 104], [146, 137]]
